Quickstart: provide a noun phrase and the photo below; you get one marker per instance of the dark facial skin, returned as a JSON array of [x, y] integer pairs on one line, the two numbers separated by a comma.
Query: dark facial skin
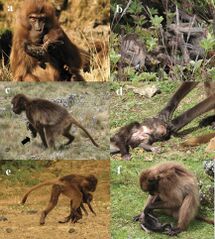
[[153, 186], [171, 187], [38, 28], [18, 106]]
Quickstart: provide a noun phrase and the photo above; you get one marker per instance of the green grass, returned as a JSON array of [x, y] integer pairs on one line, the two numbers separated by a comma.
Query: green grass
[[20, 171], [130, 107], [90, 108], [127, 199]]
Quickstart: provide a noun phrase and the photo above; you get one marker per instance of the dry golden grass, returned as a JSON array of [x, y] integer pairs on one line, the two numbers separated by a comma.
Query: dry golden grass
[[78, 23]]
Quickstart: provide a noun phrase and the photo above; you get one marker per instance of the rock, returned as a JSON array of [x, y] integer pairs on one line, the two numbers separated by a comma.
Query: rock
[[9, 230], [71, 230], [148, 91], [209, 168], [67, 101], [2, 111], [3, 219], [7, 149]]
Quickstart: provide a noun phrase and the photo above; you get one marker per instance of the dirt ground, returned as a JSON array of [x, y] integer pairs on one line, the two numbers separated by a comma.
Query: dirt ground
[[23, 220]]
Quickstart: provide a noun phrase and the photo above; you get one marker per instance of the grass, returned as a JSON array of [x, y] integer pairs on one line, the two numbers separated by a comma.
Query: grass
[[130, 107], [78, 23], [89, 107], [127, 199], [100, 63]]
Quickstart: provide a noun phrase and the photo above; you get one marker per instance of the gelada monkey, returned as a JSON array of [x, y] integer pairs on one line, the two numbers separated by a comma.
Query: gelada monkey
[[139, 135], [151, 223], [75, 187], [174, 190], [173, 103], [198, 140], [41, 50], [47, 118], [87, 198], [160, 127]]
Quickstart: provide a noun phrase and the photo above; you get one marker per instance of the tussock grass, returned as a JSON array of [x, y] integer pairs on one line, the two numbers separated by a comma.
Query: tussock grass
[[90, 108], [125, 189]]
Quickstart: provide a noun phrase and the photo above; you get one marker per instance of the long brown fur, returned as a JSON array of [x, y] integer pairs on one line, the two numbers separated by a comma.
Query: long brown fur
[[211, 146], [162, 126], [47, 118], [173, 103], [195, 141], [27, 68], [74, 186], [174, 190], [202, 139]]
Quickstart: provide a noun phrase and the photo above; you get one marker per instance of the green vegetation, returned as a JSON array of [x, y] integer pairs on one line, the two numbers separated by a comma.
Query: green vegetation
[[150, 21], [127, 201], [127, 197], [88, 104], [20, 171], [130, 107]]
